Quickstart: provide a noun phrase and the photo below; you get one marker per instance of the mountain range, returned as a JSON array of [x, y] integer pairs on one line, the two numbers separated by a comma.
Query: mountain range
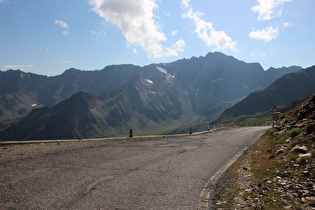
[[107, 102]]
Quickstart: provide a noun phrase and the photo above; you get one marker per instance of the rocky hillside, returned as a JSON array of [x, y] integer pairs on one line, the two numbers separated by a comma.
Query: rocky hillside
[[290, 87], [279, 171]]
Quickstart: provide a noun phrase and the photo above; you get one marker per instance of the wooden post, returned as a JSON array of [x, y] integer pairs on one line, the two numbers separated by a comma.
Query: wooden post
[[190, 130], [130, 133]]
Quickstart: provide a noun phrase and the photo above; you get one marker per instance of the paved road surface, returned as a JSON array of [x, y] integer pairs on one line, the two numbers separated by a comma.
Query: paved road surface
[[161, 173]]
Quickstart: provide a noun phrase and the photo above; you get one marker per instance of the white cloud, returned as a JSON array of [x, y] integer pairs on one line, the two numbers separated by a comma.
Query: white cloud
[[136, 20], [64, 62], [20, 67], [92, 32], [65, 32], [258, 54], [177, 47], [4, 2], [169, 13], [64, 25], [267, 34], [170, 52], [207, 33], [185, 4], [174, 33], [287, 24], [267, 8], [96, 33]]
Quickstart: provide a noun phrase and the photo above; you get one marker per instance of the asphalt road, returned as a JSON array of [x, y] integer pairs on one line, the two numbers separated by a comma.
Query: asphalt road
[[156, 173]]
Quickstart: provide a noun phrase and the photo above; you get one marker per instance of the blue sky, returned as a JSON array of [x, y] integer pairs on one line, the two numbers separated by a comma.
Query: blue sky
[[49, 36]]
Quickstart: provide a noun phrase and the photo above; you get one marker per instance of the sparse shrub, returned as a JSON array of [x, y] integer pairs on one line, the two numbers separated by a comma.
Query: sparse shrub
[[281, 139], [280, 128], [293, 156], [271, 132], [286, 120], [294, 143], [294, 132]]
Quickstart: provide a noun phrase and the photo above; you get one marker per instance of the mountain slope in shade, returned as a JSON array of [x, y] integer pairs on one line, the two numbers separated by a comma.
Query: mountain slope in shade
[[288, 88], [61, 121], [135, 105]]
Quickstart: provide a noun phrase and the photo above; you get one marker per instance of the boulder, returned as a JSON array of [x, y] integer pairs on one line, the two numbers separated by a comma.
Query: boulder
[[299, 149]]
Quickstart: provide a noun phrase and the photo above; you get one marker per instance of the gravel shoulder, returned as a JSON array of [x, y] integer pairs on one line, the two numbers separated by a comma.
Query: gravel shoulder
[[11, 152]]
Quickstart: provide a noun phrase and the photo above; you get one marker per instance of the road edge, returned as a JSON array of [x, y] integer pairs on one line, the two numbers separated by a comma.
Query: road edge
[[207, 192], [106, 139]]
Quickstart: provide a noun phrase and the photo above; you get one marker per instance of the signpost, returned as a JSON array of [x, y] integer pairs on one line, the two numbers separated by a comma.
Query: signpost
[[275, 116]]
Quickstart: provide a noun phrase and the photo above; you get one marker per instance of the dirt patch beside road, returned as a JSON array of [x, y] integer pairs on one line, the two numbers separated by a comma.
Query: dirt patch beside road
[[10, 152]]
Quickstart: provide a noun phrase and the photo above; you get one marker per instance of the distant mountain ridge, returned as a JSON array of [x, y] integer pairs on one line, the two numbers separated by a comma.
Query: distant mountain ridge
[[128, 95], [288, 88]]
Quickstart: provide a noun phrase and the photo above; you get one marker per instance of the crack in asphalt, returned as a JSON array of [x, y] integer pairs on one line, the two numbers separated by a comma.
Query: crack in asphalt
[[93, 185]]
